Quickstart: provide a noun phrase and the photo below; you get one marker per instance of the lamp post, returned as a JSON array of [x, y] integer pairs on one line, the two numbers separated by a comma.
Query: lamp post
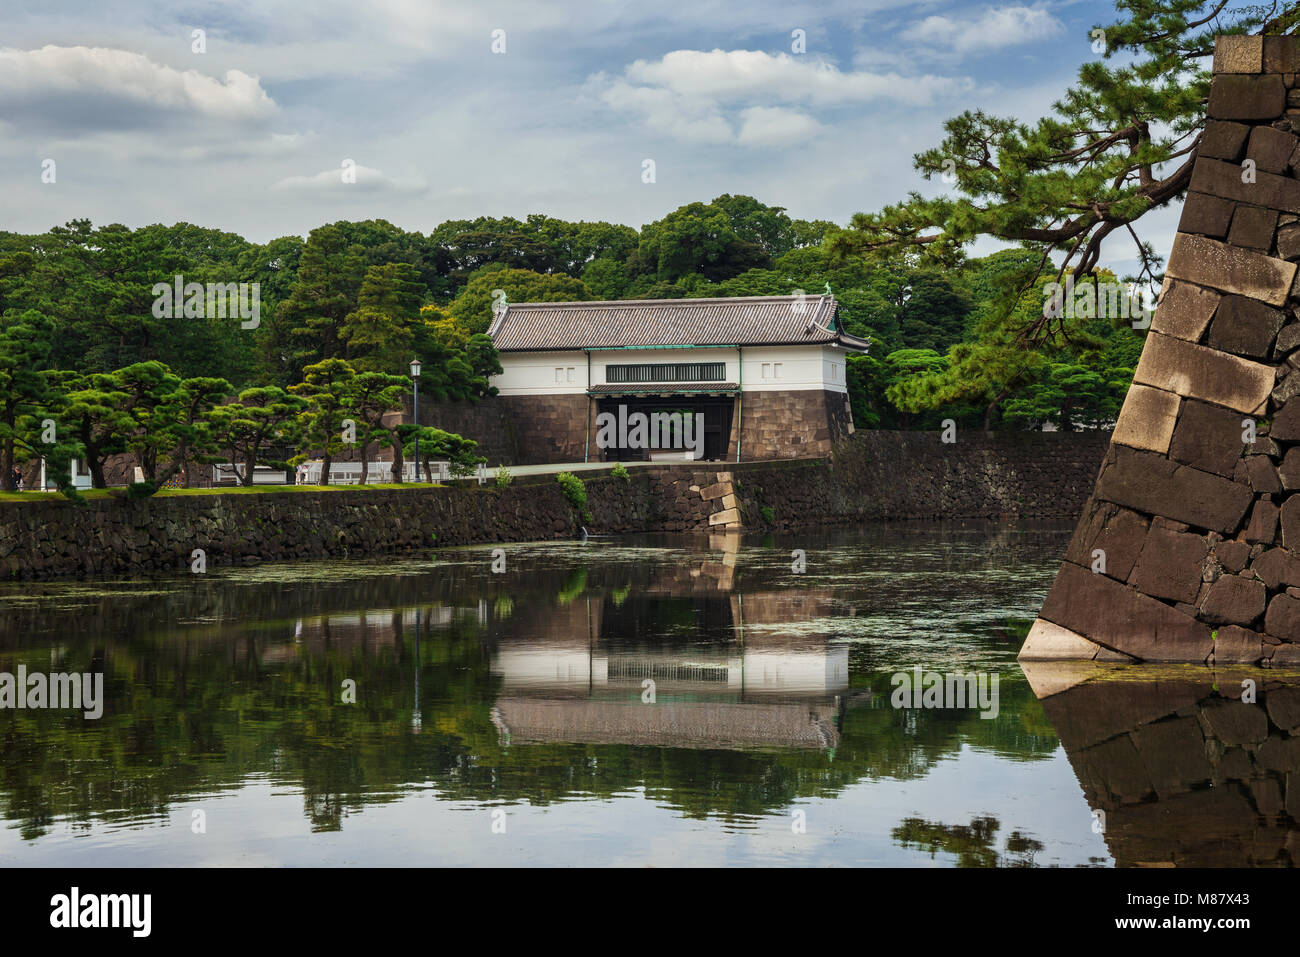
[[415, 412]]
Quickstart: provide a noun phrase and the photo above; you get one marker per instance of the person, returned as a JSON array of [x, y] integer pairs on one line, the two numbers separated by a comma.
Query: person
[[17, 477], [300, 474]]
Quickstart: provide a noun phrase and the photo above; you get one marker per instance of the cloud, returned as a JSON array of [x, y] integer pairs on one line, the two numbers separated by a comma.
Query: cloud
[[369, 182], [775, 126], [729, 75], [95, 88], [747, 96], [993, 29]]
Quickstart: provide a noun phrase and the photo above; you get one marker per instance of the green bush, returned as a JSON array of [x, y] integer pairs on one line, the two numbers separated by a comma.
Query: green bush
[[619, 472], [138, 490], [769, 516], [504, 477], [573, 489]]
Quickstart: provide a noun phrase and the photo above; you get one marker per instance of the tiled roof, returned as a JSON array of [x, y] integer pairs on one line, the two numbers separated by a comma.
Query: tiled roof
[[751, 320]]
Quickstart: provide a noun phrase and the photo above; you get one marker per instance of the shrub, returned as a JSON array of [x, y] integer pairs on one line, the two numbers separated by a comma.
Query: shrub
[[619, 472], [504, 477], [769, 516], [573, 489]]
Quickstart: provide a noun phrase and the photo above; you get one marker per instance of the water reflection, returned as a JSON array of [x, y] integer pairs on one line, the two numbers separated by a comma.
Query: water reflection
[[1180, 770], [528, 691]]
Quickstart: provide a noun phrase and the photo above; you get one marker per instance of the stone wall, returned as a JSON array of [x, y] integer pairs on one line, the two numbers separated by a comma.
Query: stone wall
[[873, 476], [548, 428], [1189, 549], [790, 425]]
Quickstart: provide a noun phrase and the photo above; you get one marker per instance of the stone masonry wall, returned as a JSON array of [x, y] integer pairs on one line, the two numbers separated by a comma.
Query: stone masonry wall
[[789, 425], [874, 476], [1189, 548]]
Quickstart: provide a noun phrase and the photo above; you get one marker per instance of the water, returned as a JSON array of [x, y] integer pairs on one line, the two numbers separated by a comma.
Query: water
[[503, 718]]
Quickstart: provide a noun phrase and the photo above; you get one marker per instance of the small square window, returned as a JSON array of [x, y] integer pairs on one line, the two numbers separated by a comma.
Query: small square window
[[559, 374], [776, 370], [571, 371], [767, 370]]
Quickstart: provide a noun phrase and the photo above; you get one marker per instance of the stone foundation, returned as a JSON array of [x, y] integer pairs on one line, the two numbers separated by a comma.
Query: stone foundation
[[549, 428], [790, 425]]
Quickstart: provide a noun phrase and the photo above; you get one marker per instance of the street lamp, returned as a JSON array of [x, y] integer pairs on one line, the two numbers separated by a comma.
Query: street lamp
[[415, 412]]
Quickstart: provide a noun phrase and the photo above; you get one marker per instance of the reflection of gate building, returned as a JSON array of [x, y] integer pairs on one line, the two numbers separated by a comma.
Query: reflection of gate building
[[722, 679]]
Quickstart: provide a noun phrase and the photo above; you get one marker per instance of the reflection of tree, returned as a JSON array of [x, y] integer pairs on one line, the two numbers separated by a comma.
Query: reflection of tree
[[973, 843], [198, 707]]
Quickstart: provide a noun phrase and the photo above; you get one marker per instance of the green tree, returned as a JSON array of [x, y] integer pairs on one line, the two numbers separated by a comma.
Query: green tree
[[1120, 143], [374, 396], [323, 295], [261, 421], [329, 388], [473, 307], [26, 341], [378, 336]]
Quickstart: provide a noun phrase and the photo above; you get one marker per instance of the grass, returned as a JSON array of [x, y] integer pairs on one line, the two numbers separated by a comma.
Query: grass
[[101, 493]]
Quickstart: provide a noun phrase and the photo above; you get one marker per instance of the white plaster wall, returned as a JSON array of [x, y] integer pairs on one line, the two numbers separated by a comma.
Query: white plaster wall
[[766, 368]]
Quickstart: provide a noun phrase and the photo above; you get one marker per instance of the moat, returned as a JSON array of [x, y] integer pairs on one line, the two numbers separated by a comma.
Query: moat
[[641, 701]]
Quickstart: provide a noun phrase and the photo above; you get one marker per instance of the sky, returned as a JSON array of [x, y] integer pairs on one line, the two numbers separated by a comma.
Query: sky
[[450, 110]]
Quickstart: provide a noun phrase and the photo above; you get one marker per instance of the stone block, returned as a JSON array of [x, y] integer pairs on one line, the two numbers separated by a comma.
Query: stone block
[[728, 501], [1238, 54], [1281, 55], [1118, 532], [1234, 645], [1207, 437], [1151, 483], [717, 491], [1050, 642], [1170, 565], [1286, 423], [1232, 555], [1282, 620], [1203, 213], [1247, 97], [1277, 568], [1120, 618], [1287, 340], [1184, 310], [1289, 470], [1245, 326], [1234, 600], [1223, 140], [1290, 520], [1198, 372], [1271, 149], [1288, 242], [1262, 527], [1253, 228], [1262, 475], [1239, 271], [1147, 419], [725, 517], [1229, 181]]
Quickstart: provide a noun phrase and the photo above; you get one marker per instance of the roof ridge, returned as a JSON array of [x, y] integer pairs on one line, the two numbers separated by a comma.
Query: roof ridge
[[589, 303]]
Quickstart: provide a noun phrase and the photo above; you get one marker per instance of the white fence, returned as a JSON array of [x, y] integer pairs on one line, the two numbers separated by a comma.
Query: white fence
[[341, 473]]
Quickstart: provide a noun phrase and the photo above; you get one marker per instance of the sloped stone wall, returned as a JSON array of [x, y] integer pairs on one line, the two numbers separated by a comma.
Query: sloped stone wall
[[1189, 548]]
